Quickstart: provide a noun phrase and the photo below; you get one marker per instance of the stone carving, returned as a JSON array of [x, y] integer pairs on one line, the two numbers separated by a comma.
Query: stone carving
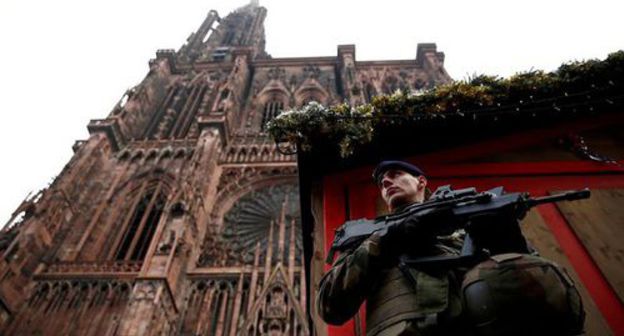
[[165, 246], [111, 268], [311, 71], [256, 218], [277, 73], [275, 309], [194, 127]]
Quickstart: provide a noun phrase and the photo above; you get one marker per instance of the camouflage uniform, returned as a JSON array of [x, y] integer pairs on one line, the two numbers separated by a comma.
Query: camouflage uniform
[[394, 306]]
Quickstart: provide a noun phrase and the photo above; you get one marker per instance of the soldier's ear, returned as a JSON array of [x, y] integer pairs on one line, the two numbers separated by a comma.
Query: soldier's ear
[[422, 182]]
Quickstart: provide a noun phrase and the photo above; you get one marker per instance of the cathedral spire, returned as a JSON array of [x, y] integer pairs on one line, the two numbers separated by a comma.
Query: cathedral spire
[[242, 28], [192, 49]]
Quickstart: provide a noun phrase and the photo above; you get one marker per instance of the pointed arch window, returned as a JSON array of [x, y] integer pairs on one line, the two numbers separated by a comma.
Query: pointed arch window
[[272, 108], [310, 94], [140, 225]]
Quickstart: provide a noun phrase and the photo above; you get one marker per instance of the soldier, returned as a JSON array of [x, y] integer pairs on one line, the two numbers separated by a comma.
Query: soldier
[[513, 292], [370, 272]]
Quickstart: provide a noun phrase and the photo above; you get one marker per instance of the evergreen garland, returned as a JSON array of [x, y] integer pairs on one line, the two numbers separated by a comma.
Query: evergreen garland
[[350, 126]]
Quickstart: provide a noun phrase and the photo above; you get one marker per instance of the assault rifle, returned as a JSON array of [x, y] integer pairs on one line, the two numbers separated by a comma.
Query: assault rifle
[[468, 208]]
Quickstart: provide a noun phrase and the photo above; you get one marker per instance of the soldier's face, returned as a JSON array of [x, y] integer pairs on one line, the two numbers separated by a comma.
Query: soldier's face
[[399, 188]]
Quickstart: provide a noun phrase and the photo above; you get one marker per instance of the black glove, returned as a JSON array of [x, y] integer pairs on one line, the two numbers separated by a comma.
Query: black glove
[[420, 229], [437, 221]]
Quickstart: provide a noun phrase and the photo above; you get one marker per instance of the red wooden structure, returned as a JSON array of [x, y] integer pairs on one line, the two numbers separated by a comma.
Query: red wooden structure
[[585, 237]]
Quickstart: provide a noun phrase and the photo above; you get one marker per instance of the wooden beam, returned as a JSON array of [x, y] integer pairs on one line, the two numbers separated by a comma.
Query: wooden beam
[[604, 296], [334, 216]]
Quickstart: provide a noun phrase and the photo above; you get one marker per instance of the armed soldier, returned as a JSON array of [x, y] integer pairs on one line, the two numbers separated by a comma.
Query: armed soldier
[[503, 295], [370, 272]]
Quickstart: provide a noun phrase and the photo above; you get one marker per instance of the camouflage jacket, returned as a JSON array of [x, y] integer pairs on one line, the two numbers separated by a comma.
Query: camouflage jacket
[[394, 305]]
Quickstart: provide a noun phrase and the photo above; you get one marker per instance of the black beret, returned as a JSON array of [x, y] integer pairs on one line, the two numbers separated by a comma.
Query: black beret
[[384, 166]]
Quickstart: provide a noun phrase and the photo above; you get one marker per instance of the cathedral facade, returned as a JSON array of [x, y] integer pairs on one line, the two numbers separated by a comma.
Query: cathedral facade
[[178, 215]]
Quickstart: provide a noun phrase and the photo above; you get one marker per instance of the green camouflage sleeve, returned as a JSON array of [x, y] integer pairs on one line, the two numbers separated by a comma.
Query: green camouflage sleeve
[[343, 288]]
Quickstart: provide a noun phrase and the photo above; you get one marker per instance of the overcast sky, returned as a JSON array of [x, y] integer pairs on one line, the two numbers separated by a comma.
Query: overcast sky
[[64, 62]]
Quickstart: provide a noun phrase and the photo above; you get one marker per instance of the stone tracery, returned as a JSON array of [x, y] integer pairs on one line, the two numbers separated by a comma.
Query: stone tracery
[[251, 221], [224, 256]]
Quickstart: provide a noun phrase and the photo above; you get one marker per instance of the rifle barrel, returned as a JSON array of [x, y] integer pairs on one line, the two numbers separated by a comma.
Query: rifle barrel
[[567, 196]]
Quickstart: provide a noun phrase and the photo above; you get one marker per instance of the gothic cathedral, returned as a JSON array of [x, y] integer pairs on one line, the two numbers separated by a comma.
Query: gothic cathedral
[[178, 216]]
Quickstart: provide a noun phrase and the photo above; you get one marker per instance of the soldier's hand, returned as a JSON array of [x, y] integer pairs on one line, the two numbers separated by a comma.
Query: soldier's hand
[[400, 238], [417, 230], [434, 222]]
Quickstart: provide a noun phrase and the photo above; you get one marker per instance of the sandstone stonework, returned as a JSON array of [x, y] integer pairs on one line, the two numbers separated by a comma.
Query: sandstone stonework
[[178, 215]]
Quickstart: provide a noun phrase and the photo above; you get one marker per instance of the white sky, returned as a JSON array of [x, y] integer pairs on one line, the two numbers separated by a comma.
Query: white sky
[[64, 62]]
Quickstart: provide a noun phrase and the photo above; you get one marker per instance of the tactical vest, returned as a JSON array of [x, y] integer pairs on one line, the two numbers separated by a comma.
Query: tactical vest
[[395, 299], [520, 294]]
